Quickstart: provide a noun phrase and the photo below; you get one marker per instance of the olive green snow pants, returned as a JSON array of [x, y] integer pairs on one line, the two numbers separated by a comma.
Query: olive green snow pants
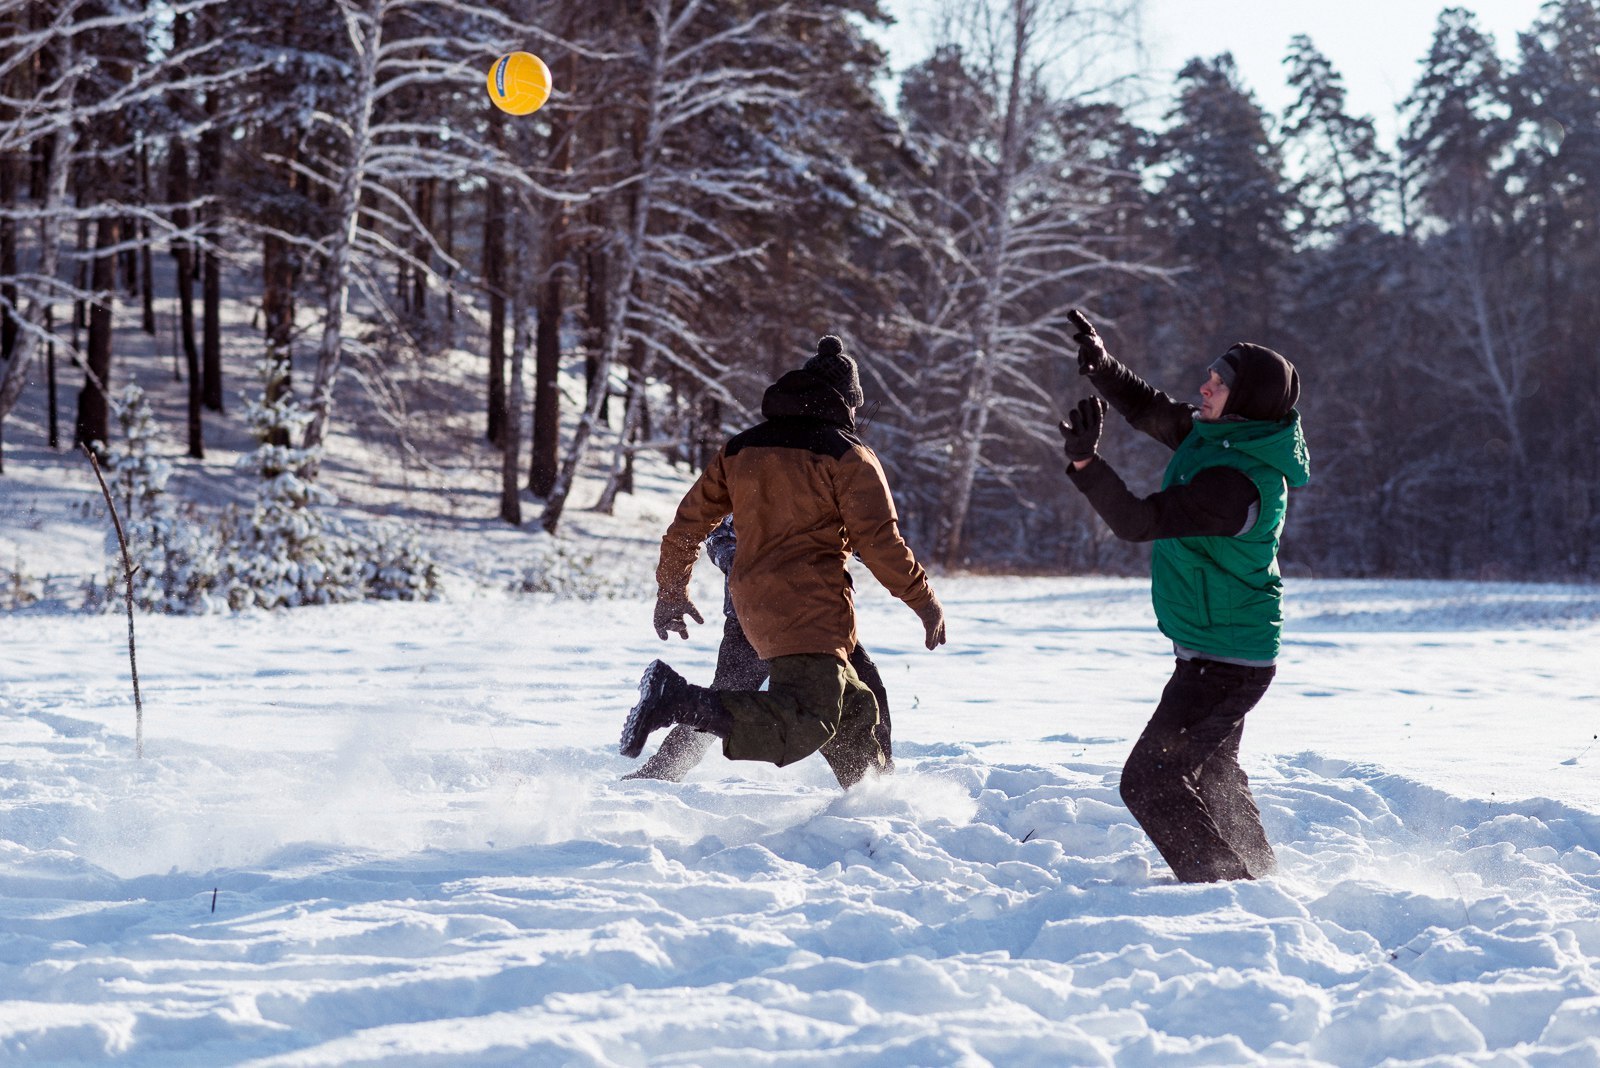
[[813, 701]]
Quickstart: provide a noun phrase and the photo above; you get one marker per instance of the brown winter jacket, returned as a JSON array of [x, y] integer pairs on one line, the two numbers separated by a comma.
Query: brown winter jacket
[[804, 493]]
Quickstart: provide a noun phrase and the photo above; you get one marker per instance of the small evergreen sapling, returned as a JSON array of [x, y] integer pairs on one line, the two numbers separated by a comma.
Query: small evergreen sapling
[[284, 552], [175, 554], [287, 552], [18, 589]]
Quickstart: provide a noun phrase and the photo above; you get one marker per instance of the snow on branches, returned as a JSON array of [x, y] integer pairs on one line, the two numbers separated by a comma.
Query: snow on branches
[[282, 553]]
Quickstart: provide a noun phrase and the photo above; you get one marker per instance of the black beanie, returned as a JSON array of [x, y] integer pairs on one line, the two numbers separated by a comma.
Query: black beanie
[[837, 369], [1261, 384]]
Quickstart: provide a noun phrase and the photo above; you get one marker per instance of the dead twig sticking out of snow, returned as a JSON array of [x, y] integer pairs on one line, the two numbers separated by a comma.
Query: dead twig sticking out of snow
[[127, 568]]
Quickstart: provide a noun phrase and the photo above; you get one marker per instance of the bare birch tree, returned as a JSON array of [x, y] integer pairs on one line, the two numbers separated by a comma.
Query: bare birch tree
[[377, 152], [673, 230], [1012, 229], [364, 23], [47, 118], [50, 120]]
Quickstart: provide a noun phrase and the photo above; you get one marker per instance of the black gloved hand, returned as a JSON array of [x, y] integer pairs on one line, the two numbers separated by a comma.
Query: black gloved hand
[[1091, 350], [1081, 431], [669, 613]]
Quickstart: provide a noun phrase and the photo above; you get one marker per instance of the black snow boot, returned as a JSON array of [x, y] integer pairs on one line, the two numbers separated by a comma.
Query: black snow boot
[[666, 698]]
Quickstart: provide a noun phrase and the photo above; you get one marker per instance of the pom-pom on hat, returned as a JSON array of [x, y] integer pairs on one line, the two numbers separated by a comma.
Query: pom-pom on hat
[[834, 367], [1261, 384]]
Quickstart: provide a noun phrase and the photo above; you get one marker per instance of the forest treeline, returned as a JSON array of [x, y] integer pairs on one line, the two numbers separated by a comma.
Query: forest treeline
[[714, 183]]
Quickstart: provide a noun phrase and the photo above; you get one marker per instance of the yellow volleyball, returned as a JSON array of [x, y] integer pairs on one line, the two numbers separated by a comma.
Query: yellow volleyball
[[519, 83]]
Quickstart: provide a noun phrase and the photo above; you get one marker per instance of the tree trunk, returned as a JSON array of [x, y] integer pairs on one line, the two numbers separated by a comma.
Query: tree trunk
[[708, 434], [211, 315], [347, 207], [209, 180], [147, 279], [147, 288], [546, 455], [449, 243], [80, 307], [128, 258], [183, 254], [179, 192], [511, 436], [52, 397], [594, 308], [546, 451], [279, 270], [635, 420], [9, 197], [967, 454], [51, 194], [622, 272], [93, 404], [623, 451], [494, 275], [420, 250]]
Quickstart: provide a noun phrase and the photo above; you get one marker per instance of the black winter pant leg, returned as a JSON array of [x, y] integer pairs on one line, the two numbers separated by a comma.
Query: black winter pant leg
[[867, 671], [1225, 789], [1183, 782], [738, 668]]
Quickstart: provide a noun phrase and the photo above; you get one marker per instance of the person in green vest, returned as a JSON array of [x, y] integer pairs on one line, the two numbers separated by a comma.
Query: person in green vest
[[1214, 581]]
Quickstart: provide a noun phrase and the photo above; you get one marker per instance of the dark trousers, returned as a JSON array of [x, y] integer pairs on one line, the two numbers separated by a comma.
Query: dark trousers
[[1183, 782], [739, 668]]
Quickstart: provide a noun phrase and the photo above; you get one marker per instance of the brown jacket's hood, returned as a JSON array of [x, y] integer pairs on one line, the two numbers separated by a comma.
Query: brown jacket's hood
[[804, 395]]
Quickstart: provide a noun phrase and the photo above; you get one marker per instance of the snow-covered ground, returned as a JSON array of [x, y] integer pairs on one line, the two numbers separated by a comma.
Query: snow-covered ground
[[396, 834]]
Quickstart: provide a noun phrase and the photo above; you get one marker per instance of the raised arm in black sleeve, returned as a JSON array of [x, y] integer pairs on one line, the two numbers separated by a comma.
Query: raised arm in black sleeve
[[1141, 404], [1219, 501]]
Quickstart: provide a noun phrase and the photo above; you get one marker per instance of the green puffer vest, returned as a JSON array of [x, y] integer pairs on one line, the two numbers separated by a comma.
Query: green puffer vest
[[1224, 596]]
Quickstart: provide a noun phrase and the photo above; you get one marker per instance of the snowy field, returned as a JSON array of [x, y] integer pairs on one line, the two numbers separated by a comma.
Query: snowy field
[[396, 834]]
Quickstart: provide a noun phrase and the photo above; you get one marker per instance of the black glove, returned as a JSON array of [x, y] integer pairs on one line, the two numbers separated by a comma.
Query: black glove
[[1081, 431], [670, 610], [932, 616], [1091, 350]]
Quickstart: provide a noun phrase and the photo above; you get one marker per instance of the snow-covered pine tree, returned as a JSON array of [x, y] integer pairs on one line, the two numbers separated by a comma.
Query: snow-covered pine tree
[[395, 567], [287, 552], [174, 555]]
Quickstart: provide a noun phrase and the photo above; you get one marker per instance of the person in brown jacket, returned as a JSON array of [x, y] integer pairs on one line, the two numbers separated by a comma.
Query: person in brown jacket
[[739, 668], [804, 493]]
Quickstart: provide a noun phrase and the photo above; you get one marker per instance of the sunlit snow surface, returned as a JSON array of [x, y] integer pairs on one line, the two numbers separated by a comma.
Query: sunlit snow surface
[[397, 834]]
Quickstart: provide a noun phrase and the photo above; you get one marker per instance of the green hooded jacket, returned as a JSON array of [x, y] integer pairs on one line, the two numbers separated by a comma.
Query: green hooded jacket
[[1223, 596]]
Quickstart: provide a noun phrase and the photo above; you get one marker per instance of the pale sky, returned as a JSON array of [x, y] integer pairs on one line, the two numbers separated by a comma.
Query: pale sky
[[1375, 44]]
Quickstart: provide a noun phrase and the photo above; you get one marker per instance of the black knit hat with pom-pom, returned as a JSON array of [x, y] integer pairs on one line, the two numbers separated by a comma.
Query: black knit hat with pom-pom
[[834, 367]]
